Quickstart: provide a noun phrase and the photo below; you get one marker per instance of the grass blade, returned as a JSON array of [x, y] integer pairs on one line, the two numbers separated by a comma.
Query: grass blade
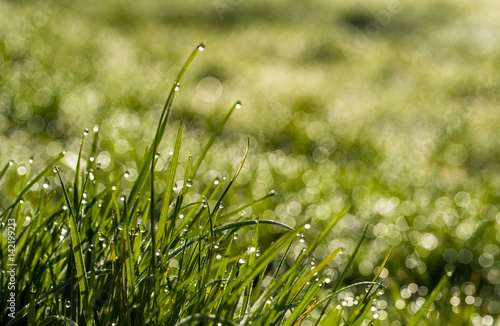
[[78, 254], [425, 307], [212, 139]]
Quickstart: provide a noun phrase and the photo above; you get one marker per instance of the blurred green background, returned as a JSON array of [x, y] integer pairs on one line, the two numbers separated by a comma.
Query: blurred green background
[[391, 107]]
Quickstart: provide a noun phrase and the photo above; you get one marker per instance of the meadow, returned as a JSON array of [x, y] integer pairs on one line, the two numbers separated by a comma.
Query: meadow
[[352, 146]]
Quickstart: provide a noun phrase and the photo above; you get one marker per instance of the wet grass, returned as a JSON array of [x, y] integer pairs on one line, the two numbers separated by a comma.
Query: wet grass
[[393, 115], [95, 256]]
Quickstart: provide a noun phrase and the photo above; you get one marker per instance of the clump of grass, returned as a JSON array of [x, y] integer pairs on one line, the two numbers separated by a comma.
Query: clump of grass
[[96, 256]]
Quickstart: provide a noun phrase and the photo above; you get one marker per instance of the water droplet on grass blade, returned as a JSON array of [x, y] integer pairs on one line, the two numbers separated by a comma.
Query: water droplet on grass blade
[[122, 198], [235, 236], [30, 161], [238, 105], [56, 169], [11, 162], [241, 261], [189, 183], [96, 128], [126, 174], [221, 205], [33, 288], [85, 131], [201, 47], [177, 87], [307, 226], [158, 253]]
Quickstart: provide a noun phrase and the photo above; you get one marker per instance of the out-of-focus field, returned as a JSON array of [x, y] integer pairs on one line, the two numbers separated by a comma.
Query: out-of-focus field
[[392, 107]]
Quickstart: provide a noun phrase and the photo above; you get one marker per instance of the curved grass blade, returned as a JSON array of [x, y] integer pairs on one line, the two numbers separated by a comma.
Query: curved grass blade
[[361, 312], [425, 307], [230, 226], [238, 170], [344, 273], [242, 208], [78, 254], [212, 139]]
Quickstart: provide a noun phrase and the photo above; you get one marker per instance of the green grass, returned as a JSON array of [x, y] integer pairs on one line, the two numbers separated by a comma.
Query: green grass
[[399, 123], [90, 257]]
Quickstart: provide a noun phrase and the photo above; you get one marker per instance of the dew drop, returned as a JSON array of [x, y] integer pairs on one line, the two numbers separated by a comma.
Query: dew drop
[[380, 291], [242, 213], [376, 315], [201, 47], [238, 105], [158, 253], [126, 174], [218, 257], [85, 131], [177, 87], [327, 280], [189, 183], [46, 184], [181, 216], [96, 128], [157, 155], [11, 162], [30, 161], [56, 169], [113, 188], [98, 166], [307, 226], [101, 237], [67, 304], [33, 288], [216, 181], [122, 198], [235, 236], [241, 261], [221, 205]]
